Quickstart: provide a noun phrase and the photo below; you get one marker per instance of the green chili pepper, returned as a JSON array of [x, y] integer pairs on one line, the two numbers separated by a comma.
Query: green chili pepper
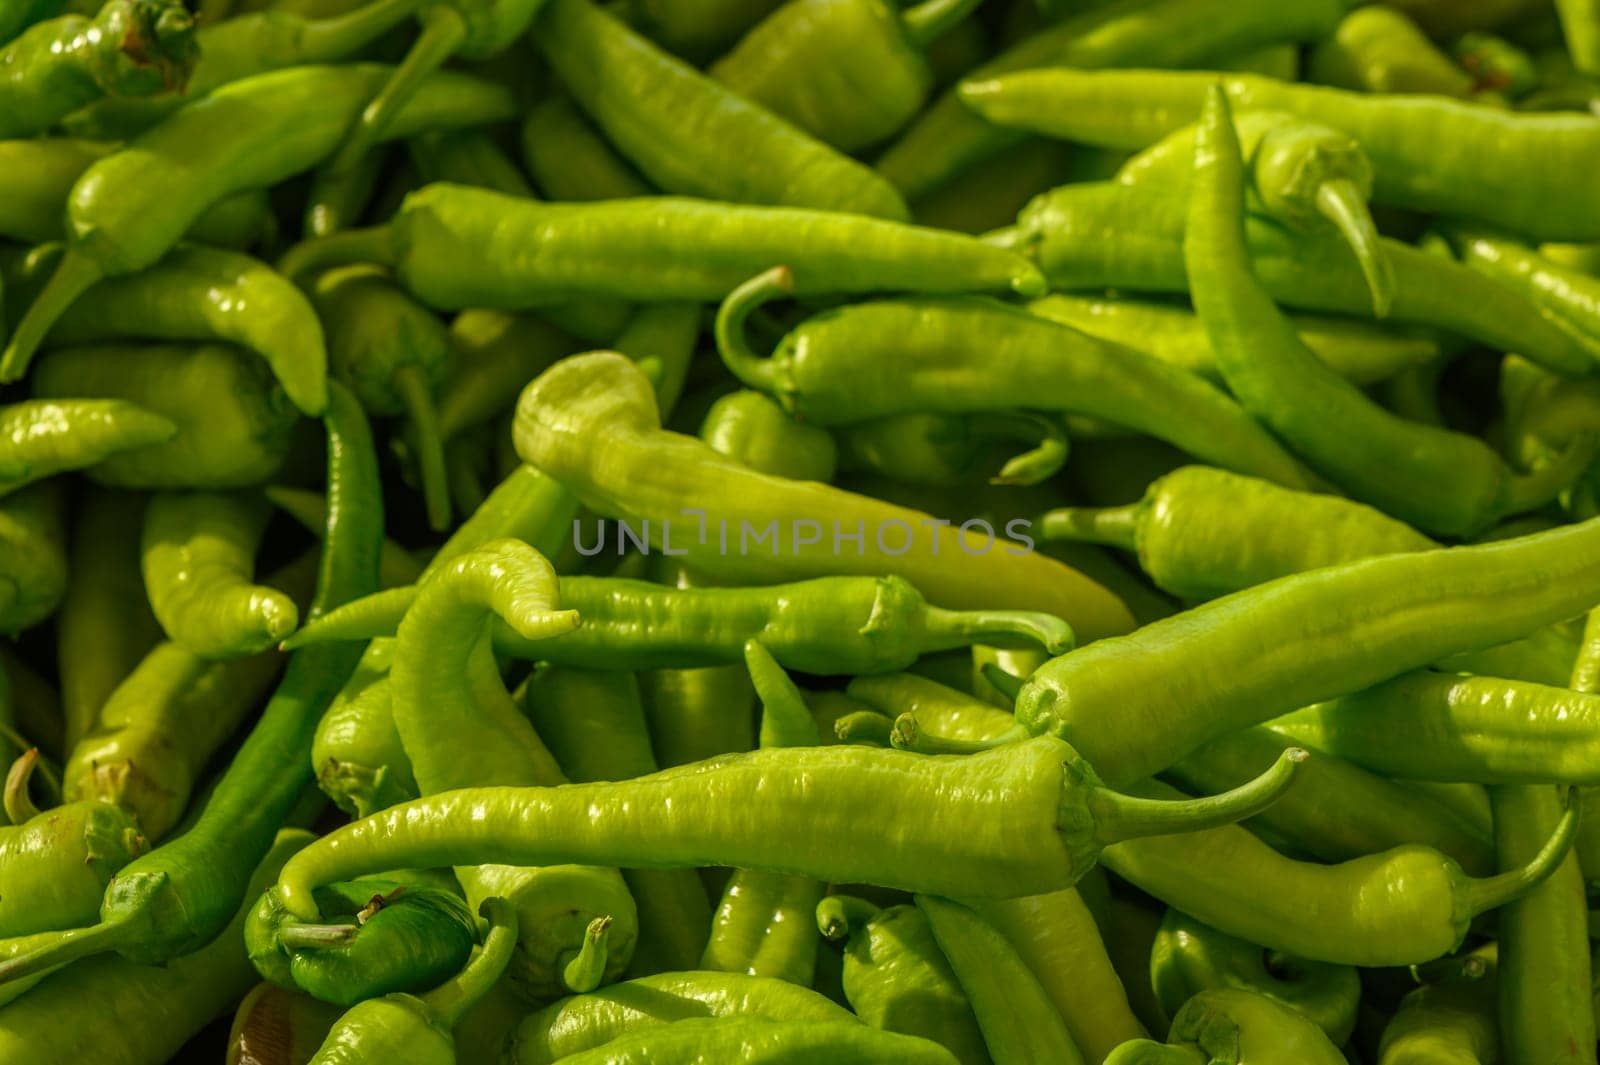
[[129, 208], [198, 559], [677, 125], [18, 15], [569, 160], [360, 762], [129, 48], [1048, 796], [971, 355], [460, 728], [1018, 1020], [1419, 147], [467, 157], [41, 437], [1403, 906], [1379, 49], [234, 423], [1439, 726], [492, 355], [199, 293], [1190, 957], [582, 1022], [1580, 25], [241, 47], [948, 138], [896, 978], [416, 1029], [392, 353], [651, 474], [696, 29], [457, 247], [386, 935], [1569, 298], [594, 724], [1234, 1027], [1303, 174], [1129, 237], [58, 862], [945, 449], [33, 563], [934, 707], [158, 1009], [1358, 351], [180, 896], [850, 97], [396, 565], [1447, 1022], [278, 1026], [1337, 810], [763, 1042]]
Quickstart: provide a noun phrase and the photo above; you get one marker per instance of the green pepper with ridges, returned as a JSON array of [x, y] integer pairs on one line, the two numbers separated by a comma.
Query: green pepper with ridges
[[1234, 1027]]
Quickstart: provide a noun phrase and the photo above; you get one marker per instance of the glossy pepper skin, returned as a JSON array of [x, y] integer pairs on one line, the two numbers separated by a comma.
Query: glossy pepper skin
[[1189, 958], [129, 48], [43, 437], [651, 474], [869, 360], [568, 158], [1235, 1027], [583, 1022], [33, 564], [1381, 50], [385, 936], [1450, 1021], [763, 1042]]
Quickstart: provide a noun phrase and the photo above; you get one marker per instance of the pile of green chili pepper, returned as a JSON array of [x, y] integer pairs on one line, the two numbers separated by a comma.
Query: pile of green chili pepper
[[774, 532]]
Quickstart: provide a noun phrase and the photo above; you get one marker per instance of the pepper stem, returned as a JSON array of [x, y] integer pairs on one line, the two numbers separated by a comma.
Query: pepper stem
[[1112, 526], [1042, 461], [786, 720], [19, 805], [67, 946], [73, 276], [907, 735], [954, 628], [932, 19], [587, 965], [366, 618], [443, 31], [326, 40], [1340, 201], [732, 343], [316, 936], [1529, 491], [840, 916], [451, 999], [417, 398], [1480, 895], [1118, 817], [864, 726], [375, 244], [1002, 680]]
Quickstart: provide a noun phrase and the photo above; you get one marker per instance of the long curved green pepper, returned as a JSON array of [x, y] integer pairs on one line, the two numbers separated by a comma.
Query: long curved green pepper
[[492, 355], [208, 294], [1024, 818], [180, 896], [234, 424], [765, 922], [455, 247], [360, 762], [240, 47], [1434, 172], [310, 510], [1380, 49], [460, 728], [58, 862], [1190, 957], [158, 1009], [130, 208], [1442, 481], [1446, 1023], [33, 555], [582, 1022], [895, 977], [386, 935], [945, 449], [762, 1042], [1018, 1020], [1129, 237], [1303, 175], [1569, 297], [594, 724], [668, 119], [1228, 1026], [1402, 906], [43, 437], [568, 158], [1183, 681], [416, 1029], [393, 354], [466, 157], [198, 559], [653, 475], [129, 48], [868, 360], [1336, 810], [1359, 351], [851, 98]]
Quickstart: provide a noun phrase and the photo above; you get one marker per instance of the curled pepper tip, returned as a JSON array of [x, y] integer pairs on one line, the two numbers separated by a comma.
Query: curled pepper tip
[[18, 804]]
